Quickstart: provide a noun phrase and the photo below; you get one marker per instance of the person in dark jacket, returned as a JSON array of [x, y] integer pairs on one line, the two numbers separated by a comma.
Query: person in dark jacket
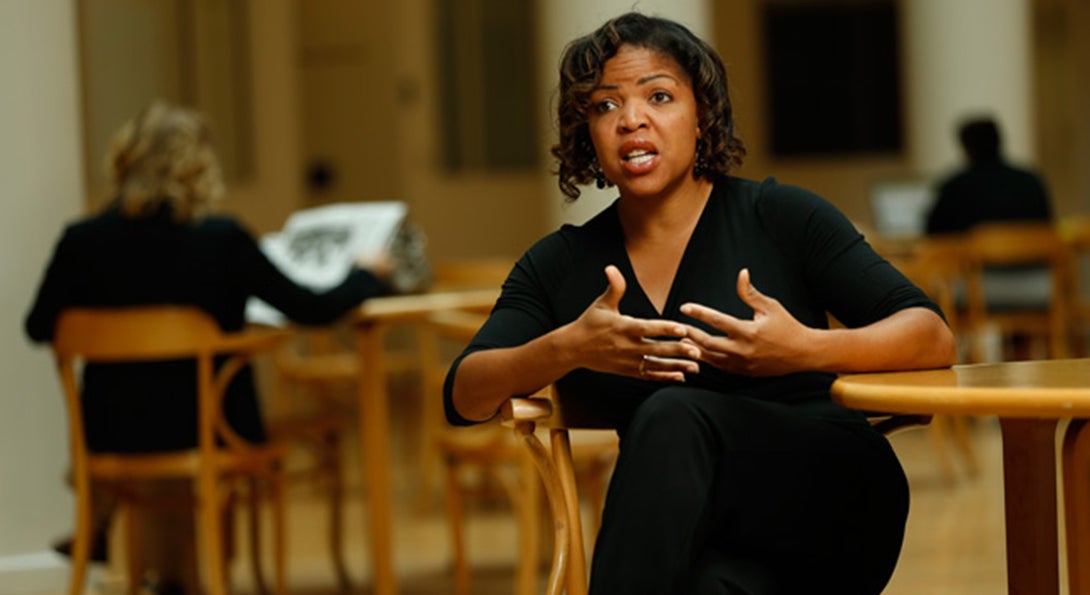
[[156, 242], [988, 188]]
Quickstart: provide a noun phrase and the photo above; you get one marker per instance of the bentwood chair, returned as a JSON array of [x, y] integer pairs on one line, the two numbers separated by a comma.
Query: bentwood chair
[[937, 265], [469, 274], [314, 385], [491, 450], [555, 465], [215, 466], [1075, 232], [1035, 307]]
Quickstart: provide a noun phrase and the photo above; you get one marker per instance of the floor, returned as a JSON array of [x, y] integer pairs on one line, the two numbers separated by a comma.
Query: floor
[[954, 543]]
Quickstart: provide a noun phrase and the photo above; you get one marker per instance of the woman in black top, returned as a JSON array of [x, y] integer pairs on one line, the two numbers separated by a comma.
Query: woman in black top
[[156, 244], [737, 473]]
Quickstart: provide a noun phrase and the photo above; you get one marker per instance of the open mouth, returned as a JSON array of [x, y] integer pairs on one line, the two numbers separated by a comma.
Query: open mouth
[[639, 156]]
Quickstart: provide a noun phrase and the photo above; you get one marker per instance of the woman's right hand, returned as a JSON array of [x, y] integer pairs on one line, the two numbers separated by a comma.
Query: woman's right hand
[[605, 340]]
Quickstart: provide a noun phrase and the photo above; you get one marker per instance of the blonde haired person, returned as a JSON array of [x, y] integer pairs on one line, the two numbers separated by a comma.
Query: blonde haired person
[[157, 241]]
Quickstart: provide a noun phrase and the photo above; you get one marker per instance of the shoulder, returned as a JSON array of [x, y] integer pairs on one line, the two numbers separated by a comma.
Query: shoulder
[[92, 228], [223, 229], [571, 242], [772, 203], [221, 225]]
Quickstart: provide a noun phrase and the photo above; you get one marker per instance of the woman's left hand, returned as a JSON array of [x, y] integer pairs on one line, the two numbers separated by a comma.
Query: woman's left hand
[[773, 343]]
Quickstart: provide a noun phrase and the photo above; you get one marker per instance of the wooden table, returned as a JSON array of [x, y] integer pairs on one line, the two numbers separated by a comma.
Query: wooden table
[[371, 323], [1030, 398]]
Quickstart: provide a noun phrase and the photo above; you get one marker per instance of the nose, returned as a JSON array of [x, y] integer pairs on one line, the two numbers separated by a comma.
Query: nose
[[633, 116]]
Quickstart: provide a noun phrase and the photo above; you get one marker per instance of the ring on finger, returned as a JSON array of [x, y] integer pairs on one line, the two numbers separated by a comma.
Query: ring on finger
[[643, 366]]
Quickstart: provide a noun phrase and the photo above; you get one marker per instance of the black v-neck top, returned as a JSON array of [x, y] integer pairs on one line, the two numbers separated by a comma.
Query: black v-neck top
[[797, 246]]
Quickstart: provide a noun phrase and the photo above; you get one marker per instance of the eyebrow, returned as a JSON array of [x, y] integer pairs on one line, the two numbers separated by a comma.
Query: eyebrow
[[641, 81]]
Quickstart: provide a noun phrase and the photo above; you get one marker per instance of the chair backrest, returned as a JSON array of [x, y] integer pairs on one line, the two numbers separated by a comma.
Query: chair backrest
[[1019, 244], [154, 333], [478, 273], [138, 333], [1014, 243]]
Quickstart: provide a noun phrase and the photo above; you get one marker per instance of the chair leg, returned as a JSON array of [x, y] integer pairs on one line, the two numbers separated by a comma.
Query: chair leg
[[964, 444], [525, 495], [253, 508], [562, 458], [280, 537], [563, 533], [81, 544], [1076, 486], [134, 563], [211, 533], [334, 473], [938, 429], [457, 527]]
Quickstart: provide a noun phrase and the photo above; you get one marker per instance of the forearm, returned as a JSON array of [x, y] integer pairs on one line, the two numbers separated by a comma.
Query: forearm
[[914, 338], [485, 379]]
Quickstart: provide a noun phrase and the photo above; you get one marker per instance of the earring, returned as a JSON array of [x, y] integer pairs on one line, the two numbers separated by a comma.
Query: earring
[[600, 179], [701, 166]]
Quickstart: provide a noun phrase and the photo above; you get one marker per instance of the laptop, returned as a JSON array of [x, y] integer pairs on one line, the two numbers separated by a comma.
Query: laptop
[[899, 207]]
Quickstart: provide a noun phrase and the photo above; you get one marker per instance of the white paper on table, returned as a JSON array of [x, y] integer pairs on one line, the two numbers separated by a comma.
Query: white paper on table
[[318, 247]]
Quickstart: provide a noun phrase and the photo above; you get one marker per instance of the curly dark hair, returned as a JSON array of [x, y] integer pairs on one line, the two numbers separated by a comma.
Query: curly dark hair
[[717, 149]]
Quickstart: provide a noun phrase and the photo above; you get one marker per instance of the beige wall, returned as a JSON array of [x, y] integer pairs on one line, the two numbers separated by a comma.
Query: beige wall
[[276, 188], [1062, 59], [41, 185]]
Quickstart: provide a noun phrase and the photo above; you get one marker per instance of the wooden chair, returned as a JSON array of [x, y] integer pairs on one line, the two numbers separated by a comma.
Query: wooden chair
[[937, 265], [151, 333], [468, 274], [314, 385], [994, 245], [1075, 233], [491, 449], [568, 570]]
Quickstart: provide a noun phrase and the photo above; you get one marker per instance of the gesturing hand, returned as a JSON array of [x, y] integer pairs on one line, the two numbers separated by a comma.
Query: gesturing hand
[[773, 343], [607, 341]]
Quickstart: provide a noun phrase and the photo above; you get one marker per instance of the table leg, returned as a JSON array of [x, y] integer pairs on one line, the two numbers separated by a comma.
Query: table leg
[[374, 441], [1076, 474], [1029, 478]]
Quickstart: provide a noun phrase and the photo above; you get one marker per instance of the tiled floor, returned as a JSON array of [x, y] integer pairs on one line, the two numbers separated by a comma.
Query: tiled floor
[[954, 542]]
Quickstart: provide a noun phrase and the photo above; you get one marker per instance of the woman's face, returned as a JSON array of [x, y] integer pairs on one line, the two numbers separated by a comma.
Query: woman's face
[[643, 123]]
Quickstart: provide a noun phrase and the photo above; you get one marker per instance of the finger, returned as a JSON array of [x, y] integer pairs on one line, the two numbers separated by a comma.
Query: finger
[[705, 341], [718, 354], [613, 294], [716, 319], [662, 368], [649, 329], [748, 292]]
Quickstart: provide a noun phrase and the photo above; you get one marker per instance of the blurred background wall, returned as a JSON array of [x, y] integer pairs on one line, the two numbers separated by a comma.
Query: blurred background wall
[[445, 104]]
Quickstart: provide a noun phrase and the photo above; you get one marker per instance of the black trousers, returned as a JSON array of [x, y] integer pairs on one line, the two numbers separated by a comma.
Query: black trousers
[[724, 494]]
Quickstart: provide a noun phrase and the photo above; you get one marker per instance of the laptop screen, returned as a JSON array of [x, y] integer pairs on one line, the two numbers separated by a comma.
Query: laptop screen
[[900, 206]]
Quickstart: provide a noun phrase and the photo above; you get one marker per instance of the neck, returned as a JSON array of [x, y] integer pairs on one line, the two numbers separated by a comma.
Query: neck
[[651, 217]]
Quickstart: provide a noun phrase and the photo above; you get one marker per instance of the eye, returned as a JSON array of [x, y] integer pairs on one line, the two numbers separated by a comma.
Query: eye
[[661, 97], [604, 106]]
